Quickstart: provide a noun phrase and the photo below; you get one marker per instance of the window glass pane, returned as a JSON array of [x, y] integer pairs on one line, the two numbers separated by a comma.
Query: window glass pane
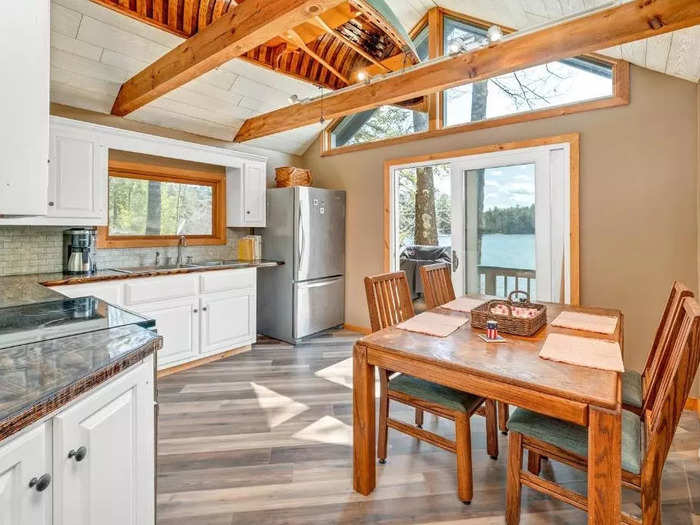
[[384, 122], [548, 85], [148, 207]]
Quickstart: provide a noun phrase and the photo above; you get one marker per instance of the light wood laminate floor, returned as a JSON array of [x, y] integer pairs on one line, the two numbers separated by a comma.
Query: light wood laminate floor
[[265, 438]]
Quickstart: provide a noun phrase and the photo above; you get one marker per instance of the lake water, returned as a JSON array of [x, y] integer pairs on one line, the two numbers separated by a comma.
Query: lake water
[[505, 251]]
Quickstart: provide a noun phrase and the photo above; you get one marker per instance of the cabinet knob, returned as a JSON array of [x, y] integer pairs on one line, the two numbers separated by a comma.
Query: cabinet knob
[[247, 212], [204, 309], [79, 454], [195, 310], [50, 203], [40, 484]]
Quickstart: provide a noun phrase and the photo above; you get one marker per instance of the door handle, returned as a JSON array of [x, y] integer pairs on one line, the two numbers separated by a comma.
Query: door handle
[[301, 235], [455, 261]]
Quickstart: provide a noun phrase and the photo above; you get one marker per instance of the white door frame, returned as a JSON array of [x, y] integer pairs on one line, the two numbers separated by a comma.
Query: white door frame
[[553, 190]]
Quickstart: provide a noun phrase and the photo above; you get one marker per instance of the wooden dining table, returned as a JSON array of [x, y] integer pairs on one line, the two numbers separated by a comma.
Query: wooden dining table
[[510, 372]]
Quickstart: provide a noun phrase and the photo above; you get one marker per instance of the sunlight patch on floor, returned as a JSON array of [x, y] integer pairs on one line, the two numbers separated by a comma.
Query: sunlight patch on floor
[[278, 408], [327, 430], [341, 374]]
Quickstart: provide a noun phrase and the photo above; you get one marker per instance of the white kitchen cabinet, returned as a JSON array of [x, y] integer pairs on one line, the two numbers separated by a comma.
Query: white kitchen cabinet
[[177, 320], [111, 292], [103, 454], [246, 199], [25, 478], [77, 176], [227, 320], [24, 107]]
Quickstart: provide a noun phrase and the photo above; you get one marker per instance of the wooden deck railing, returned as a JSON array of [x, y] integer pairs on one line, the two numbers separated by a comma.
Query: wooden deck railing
[[519, 280]]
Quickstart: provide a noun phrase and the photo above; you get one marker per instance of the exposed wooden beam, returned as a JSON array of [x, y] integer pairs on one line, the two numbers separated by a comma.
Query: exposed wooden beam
[[293, 38], [599, 30], [320, 22], [242, 28]]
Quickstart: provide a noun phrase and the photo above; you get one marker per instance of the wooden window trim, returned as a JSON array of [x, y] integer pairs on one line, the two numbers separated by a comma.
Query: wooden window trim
[[141, 171], [620, 96], [573, 139]]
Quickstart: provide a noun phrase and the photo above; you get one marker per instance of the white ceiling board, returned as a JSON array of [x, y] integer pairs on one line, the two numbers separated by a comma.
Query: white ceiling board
[[658, 48], [684, 55], [635, 52], [94, 50]]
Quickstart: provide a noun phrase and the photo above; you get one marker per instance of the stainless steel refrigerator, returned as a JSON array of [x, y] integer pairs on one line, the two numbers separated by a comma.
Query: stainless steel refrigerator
[[305, 229]]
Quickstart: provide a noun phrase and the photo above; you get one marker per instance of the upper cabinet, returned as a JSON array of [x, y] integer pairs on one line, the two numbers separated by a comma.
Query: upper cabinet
[[78, 176], [246, 195], [24, 106]]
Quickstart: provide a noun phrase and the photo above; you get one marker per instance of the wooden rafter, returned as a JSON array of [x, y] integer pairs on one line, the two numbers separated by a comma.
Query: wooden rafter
[[631, 21], [293, 38], [241, 29]]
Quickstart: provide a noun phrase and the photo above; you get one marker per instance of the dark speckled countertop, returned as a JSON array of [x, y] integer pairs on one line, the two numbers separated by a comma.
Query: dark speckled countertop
[[32, 288], [37, 379]]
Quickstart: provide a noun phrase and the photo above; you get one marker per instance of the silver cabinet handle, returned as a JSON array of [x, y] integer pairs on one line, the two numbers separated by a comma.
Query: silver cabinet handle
[[40, 484], [455, 261], [79, 454]]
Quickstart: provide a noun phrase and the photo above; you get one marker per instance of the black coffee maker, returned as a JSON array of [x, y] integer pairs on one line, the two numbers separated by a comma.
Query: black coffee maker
[[79, 251]]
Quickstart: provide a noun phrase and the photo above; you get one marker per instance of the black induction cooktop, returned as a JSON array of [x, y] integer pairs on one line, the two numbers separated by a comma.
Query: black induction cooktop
[[65, 317]]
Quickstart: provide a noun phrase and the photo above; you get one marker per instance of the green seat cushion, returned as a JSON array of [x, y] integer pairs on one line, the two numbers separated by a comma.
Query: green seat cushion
[[574, 438], [632, 388], [444, 396]]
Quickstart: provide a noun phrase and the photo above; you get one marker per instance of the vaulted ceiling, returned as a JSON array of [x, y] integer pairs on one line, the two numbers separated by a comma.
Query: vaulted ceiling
[[94, 49]]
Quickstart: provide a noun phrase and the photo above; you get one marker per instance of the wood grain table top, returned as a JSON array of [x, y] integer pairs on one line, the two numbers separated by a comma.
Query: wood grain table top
[[514, 362]]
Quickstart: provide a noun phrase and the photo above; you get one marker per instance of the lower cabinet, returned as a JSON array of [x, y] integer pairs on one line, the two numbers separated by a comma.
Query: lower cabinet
[[91, 463], [177, 321], [25, 478], [198, 315]]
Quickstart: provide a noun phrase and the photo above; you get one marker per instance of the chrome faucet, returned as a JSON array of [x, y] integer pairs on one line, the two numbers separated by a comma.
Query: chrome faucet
[[182, 241]]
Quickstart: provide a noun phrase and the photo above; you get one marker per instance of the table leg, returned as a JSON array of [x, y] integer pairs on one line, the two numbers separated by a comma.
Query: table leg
[[364, 448], [604, 466]]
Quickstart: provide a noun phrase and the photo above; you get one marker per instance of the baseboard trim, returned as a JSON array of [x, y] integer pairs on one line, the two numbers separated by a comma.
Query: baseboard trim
[[359, 329], [203, 361]]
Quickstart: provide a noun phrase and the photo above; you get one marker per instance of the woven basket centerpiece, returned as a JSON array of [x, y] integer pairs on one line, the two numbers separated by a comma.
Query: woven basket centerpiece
[[290, 176], [518, 318]]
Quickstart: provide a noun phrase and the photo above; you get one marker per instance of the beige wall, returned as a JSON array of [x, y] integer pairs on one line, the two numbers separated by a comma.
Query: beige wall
[[638, 219]]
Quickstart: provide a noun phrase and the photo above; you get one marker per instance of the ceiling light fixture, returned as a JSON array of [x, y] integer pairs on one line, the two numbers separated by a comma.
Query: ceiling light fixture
[[494, 33], [362, 75]]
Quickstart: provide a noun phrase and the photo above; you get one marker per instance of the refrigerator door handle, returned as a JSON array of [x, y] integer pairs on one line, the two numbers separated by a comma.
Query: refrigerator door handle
[[301, 237]]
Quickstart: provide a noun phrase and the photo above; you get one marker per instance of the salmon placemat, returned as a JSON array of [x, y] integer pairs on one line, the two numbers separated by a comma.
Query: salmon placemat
[[583, 351], [601, 324], [430, 323], [463, 304]]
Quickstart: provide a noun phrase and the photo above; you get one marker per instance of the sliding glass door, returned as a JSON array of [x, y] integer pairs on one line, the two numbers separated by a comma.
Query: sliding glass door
[[509, 222]]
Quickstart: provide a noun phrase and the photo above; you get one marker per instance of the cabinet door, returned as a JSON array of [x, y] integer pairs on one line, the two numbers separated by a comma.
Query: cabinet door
[[254, 194], [103, 450], [78, 176], [178, 322], [26, 459], [24, 106], [228, 321]]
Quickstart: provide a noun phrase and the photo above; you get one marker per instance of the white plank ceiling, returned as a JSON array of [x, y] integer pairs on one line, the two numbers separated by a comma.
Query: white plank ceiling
[[95, 49], [676, 54]]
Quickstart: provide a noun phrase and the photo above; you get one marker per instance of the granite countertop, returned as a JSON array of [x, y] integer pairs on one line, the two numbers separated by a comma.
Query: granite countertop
[[36, 379], [32, 288]]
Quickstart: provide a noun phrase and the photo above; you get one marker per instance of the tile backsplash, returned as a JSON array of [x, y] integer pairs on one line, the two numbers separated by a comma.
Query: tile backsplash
[[34, 249]]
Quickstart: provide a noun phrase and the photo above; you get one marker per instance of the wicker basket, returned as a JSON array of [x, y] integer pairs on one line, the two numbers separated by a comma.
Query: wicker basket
[[507, 323], [290, 176]]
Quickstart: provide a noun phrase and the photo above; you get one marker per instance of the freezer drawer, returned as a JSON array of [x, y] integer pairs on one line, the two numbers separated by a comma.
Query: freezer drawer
[[318, 305]]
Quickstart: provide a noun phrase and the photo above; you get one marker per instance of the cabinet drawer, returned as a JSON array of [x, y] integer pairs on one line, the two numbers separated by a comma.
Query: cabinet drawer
[[154, 289], [223, 280]]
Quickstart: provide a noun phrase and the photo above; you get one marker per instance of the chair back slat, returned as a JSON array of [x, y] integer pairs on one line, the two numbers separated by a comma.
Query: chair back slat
[[388, 299], [675, 383], [437, 284], [661, 348]]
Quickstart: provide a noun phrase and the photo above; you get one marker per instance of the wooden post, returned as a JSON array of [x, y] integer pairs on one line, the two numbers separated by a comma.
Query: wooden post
[[364, 449], [604, 466]]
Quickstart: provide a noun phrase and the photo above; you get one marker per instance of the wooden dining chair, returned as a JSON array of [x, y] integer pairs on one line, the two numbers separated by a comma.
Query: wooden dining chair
[[438, 290], [645, 442], [638, 390], [389, 302]]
